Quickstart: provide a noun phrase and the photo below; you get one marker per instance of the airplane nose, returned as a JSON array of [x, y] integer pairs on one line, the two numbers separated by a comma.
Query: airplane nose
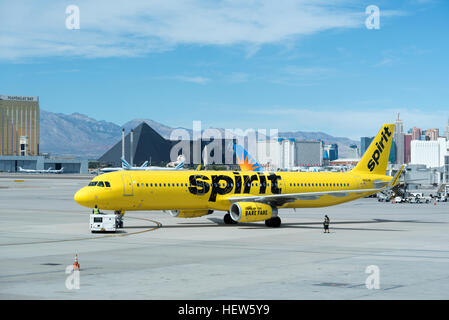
[[83, 197]]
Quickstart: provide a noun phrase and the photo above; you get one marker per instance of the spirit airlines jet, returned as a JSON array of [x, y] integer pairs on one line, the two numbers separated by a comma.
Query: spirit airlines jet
[[247, 196]]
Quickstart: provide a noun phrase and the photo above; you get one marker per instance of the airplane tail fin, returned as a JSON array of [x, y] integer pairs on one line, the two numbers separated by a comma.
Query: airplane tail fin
[[125, 165], [375, 159], [145, 164], [245, 160], [180, 165]]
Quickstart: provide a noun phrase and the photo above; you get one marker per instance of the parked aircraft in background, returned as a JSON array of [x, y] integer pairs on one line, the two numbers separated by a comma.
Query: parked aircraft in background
[[177, 165], [49, 170]]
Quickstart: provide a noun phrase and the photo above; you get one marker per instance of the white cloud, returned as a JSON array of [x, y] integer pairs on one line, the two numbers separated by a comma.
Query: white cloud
[[198, 80], [136, 27]]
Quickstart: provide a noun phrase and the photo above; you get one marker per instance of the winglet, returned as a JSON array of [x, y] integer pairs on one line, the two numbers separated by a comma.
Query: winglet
[[395, 179]]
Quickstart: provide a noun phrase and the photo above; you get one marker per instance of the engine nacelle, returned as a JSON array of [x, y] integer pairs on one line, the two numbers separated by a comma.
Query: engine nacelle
[[252, 211], [190, 213]]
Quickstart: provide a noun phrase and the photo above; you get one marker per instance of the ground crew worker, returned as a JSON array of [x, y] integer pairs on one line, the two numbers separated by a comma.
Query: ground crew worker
[[326, 224], [96, 210]]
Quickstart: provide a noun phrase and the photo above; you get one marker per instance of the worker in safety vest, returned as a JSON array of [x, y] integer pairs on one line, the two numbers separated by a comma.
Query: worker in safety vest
[[96, 210]]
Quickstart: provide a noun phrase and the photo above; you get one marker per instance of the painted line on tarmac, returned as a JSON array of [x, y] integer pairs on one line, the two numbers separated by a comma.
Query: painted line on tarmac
[[158, 225]]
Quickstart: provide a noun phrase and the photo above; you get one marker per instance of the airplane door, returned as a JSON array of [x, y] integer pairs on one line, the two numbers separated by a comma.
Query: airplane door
[[127, 185]]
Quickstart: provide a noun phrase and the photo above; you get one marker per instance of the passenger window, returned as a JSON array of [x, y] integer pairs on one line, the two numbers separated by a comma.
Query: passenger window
[[107, 184], [100, 184], [92, 184]]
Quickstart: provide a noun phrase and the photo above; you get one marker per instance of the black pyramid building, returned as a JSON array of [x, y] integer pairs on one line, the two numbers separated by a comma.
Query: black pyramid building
[[147, 145]]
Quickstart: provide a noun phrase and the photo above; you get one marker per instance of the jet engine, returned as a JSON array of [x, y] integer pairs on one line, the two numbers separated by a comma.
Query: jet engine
[[190, 213], [252, 211]]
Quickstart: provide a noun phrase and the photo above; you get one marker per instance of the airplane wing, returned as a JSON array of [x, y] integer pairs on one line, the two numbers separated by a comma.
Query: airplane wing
[[280, 199]]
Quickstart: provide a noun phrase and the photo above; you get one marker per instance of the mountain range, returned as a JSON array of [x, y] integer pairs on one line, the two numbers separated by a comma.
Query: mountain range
[[77, 135]]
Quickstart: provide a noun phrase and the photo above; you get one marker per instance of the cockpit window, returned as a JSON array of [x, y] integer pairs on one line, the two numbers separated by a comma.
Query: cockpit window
[[107, 184], [92, 183], [100, 184]]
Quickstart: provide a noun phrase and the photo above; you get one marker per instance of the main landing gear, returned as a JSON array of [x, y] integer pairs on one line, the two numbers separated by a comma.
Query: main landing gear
[[228, 220], [273, 222]]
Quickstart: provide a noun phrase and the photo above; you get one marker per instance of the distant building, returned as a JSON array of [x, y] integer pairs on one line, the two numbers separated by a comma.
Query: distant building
[[392, 157], [285, 154], [330, 152], [19, 125], [12, 164], [416, 133], [407, 147], [398, 138], [446, 131], [354, 151], [429, 153], [364, 144], [309, 153], [446, 169], [148, 145], [433, 134]]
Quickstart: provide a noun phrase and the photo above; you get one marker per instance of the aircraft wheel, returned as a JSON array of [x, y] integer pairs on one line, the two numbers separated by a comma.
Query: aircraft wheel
[[228, 220], [273, 222]]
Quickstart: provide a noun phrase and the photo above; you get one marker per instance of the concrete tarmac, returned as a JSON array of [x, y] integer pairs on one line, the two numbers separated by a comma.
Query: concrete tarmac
[[157, 256]]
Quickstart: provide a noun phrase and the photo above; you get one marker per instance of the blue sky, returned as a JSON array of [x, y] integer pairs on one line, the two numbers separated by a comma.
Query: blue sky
[[299, 65]]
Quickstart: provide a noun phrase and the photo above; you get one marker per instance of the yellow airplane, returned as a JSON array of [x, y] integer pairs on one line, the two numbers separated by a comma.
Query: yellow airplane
[[247, 196]]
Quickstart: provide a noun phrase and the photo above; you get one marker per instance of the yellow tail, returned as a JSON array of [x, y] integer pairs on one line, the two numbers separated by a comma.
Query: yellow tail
[[375, 159]]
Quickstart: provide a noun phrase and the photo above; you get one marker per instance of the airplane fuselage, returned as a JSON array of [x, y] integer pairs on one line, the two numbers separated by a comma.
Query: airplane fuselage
[[173, 190]]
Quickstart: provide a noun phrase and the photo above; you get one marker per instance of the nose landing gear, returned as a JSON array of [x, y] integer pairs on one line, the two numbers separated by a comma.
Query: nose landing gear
[[119, 218]]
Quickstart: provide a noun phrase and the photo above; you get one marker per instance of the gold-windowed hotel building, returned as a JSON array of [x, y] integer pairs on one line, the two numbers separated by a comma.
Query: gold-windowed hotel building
[[19, 126]]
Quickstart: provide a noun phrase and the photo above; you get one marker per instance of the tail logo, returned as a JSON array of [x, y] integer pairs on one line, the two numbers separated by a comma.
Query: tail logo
[[245, 160], [374, 161]]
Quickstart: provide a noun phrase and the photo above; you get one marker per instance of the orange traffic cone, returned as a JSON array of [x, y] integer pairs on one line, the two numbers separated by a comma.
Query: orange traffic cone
[[76, 265]]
